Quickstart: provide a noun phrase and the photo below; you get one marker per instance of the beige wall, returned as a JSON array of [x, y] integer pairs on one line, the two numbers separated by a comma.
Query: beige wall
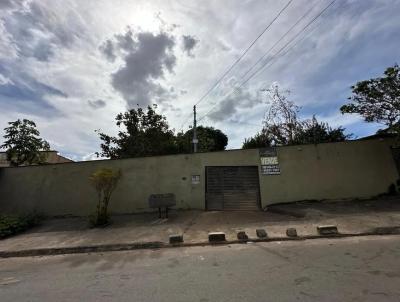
[[325, 171]]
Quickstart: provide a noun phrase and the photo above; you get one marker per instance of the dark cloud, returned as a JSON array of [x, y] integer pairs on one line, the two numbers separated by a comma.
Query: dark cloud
[[107, 48], [237, 99], [119, 45], [188, 44], [97, 104], [125, 42], [146, 59]]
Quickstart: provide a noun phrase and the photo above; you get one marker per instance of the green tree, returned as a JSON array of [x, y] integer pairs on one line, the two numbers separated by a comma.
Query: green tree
[[260, 140], [210, 139], [23, 143], [314, 132], [105, 181], [306, 132], [283, 127], [378, 99], [143, 133]]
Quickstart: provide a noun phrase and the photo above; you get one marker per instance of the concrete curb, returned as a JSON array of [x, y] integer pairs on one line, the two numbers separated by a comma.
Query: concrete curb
[[159, 245]]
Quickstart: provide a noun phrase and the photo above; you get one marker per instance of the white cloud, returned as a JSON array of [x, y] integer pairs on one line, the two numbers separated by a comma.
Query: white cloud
[[82, 62]]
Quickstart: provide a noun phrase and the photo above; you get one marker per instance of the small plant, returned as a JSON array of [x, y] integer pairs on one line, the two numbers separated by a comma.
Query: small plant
[[105, 181], [14, 224]]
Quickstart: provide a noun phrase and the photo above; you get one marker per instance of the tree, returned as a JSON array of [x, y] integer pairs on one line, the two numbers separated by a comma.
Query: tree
[[144, 133], [105, 181], [282, 126], [378, 100], [23, 143], [307, 132], [281, 120], [210, 139], [314, 132], [260, 140]]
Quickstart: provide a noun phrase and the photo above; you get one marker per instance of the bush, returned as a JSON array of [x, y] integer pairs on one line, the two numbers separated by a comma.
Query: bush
[[14, 224], [104, 181]]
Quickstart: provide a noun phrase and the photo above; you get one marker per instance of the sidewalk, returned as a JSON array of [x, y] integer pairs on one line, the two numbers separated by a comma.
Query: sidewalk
[[350, 217]]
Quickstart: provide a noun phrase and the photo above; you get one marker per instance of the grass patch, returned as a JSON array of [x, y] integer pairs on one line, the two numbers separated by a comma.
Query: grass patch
[[14, 224]]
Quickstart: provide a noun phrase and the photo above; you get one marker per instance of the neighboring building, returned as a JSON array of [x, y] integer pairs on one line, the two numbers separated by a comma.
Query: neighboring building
[[52, 158]]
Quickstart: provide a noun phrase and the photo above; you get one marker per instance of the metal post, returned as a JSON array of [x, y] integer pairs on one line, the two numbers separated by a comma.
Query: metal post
[[195, 141]]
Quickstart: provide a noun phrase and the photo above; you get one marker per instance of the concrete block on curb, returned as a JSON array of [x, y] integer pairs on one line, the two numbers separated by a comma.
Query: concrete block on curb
[[261, 233], [173, 239], [241, 235], [216, 237], [327, 229], [291, 232]]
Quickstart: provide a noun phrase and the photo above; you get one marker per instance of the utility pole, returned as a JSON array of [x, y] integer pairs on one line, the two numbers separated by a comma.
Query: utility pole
[[195, 141]]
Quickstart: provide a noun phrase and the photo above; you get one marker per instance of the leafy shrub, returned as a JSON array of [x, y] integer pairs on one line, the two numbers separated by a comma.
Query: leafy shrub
[[105, 181], [13, 224]]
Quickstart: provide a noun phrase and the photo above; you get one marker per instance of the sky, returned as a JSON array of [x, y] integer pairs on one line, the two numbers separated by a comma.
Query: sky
[[73, 65]]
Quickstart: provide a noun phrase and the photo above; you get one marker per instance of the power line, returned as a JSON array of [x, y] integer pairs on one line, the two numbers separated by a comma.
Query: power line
[[302, 39], [274, 57], [290, 41], [277, 42], [244, 53], [241, 56]]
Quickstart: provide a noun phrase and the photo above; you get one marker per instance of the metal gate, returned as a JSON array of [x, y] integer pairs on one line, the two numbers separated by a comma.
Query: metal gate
[[232, 188]]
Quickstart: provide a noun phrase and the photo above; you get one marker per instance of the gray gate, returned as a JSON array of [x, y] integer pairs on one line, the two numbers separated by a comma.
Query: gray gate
[[232, 188]]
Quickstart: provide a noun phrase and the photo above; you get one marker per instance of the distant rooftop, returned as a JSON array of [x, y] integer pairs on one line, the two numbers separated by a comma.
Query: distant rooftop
[[52, 158]]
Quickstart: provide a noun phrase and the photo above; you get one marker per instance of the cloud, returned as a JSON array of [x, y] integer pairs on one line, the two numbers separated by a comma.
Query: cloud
[[51, 64], [97, 104], [36, 31], [188, 44], [9, 4], [119, 45], [4, 80], [233, 101], [107, 48], [146, 58], [24, 93]]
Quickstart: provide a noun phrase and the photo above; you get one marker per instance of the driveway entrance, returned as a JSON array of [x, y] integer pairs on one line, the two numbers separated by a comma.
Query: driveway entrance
[[232, 188]]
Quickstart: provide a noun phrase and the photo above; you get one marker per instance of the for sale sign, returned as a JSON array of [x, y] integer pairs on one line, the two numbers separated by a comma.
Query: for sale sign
[[269, 161]]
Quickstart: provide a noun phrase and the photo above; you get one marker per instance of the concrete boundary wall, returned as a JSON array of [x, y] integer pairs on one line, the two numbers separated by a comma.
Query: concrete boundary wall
[[354, 169]]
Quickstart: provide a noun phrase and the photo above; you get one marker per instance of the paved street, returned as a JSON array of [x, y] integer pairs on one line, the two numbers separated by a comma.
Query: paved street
[[352, 269]]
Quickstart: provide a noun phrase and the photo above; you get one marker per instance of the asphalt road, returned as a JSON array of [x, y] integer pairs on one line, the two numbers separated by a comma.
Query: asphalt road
[[352, 269]]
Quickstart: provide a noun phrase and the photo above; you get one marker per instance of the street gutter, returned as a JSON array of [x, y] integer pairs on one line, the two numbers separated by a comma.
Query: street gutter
[[159, 245]]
